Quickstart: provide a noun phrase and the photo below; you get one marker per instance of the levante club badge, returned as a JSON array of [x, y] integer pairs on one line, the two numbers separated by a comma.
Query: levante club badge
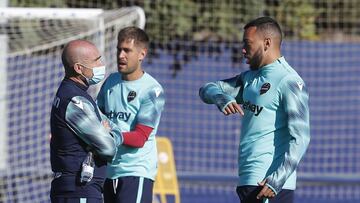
[[264, 88], [131, 96]]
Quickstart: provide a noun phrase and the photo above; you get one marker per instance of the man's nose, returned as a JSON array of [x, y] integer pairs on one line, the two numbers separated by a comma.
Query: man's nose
[[121, 54]]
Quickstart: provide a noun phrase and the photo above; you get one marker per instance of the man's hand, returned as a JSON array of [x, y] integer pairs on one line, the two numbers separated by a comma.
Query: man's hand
[[233, 108], [106, 124], [265, 192]]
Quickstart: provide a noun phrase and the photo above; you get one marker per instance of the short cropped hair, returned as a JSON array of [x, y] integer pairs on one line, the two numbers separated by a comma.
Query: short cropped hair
[[266, 25], [138, 35]]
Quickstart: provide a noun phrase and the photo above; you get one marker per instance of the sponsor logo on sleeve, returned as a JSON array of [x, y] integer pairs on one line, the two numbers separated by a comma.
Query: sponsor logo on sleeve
[[78, 103], [157, 92], [300, 85]]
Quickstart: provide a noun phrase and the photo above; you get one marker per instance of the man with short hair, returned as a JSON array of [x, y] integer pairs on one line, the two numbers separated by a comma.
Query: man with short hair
[[134, 100], [76, 129], [275, 129]]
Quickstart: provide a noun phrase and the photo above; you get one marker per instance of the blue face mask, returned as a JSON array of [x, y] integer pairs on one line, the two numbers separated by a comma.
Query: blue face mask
[[98, 75]]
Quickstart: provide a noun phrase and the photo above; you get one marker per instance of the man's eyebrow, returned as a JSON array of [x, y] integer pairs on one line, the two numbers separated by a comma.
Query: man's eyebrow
[[97, 58]]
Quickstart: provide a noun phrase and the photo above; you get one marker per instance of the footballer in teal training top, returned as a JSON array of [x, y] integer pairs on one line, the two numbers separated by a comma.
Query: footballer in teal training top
[[133, 100], [275, 129], [126, 104]]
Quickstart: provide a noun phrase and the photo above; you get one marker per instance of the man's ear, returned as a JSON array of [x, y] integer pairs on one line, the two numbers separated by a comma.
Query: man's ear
[[143, 54], [77, 68], [267, 43]]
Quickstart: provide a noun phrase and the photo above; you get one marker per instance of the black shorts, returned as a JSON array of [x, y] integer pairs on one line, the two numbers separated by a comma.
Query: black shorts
[[75, 200], [247, 194], [128, 190]]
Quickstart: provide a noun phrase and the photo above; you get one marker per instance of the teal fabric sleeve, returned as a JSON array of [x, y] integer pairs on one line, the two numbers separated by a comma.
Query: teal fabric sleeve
[[295, 100], [222, 92], [82, 119], [151, 107]]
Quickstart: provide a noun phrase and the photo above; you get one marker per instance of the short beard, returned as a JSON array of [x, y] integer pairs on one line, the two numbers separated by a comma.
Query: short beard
[[257, 59]]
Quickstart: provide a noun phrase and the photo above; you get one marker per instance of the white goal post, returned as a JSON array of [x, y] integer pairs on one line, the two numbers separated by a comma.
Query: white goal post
[[96, 16], [3, 78]]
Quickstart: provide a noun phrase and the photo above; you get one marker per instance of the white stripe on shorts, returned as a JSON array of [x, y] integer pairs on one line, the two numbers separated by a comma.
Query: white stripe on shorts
[[140, 189]]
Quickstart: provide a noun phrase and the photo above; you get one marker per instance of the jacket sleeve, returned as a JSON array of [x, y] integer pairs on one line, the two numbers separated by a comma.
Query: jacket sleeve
[[222, 92], [115, 131], [295, 100], [82, 119]]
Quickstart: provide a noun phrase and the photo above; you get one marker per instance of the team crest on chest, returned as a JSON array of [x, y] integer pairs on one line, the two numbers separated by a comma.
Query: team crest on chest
[[264, 88], [131, 96]]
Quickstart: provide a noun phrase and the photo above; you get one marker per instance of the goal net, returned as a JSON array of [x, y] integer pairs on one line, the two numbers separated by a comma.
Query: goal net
[[32, 71], [193, 42]]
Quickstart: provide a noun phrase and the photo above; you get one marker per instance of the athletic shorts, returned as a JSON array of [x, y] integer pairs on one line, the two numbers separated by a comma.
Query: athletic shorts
[[128, 190], [75, 200], [247, 194]]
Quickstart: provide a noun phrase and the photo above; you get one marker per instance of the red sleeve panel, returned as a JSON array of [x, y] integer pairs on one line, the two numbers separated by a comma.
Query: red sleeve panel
[[137, 137]]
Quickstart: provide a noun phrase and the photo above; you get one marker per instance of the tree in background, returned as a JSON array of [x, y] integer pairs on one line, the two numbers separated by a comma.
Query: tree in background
[[297, 17], [338, 19], [38, 3], [184, 28]]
